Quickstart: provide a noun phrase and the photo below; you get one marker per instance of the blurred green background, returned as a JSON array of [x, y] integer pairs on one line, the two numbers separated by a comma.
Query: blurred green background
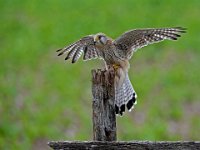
[[44, 98]]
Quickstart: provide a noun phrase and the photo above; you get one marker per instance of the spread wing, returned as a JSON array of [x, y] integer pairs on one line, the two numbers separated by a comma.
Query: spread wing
[[85, 46], [135, 39]]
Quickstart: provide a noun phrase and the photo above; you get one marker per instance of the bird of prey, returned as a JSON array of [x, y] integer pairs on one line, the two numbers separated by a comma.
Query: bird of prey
[[116, 54]]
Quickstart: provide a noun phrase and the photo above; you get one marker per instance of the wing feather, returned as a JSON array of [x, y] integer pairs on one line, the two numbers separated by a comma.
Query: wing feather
[[65, 49], [72, 52], [77, 55], [135, 39], [85, 45]]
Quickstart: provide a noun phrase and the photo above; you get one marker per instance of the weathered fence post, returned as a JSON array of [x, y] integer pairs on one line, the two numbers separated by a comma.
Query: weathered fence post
[[104, 119]]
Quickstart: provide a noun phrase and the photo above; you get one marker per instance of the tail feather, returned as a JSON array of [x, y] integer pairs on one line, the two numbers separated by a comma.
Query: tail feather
[[125, 96]]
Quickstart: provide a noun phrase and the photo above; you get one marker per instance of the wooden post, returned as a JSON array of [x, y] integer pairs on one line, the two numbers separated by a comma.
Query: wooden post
[[104, 118]]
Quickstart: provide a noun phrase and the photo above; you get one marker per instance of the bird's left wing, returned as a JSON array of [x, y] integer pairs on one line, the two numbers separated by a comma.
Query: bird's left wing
[[85, 45], [135, 39]]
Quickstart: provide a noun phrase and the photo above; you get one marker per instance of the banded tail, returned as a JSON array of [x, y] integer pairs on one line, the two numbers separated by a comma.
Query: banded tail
[[125, 96]]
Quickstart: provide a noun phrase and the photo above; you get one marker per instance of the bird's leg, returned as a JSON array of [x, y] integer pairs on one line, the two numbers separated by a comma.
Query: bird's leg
[[119, 75]]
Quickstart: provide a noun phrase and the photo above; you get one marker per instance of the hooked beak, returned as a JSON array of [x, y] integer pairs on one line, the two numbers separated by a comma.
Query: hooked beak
[[96, 38]]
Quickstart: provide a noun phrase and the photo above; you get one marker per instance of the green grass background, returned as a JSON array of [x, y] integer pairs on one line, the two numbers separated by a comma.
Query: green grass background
[[44, 98]]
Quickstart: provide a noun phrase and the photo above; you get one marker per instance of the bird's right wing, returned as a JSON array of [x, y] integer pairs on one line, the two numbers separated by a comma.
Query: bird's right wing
[[85, 45], [135, 39]]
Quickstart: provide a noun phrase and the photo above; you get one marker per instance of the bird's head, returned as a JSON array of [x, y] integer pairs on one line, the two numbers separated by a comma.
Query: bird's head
[[100, 39]]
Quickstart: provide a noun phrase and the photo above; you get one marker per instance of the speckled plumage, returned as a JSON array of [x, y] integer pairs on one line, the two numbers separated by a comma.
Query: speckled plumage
[[116, 54]]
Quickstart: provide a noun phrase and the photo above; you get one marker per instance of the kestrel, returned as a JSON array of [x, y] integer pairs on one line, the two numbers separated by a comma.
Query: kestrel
[[116, 54]]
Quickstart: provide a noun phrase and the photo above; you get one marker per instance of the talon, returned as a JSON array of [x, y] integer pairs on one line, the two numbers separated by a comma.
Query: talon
[[116, 66]]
